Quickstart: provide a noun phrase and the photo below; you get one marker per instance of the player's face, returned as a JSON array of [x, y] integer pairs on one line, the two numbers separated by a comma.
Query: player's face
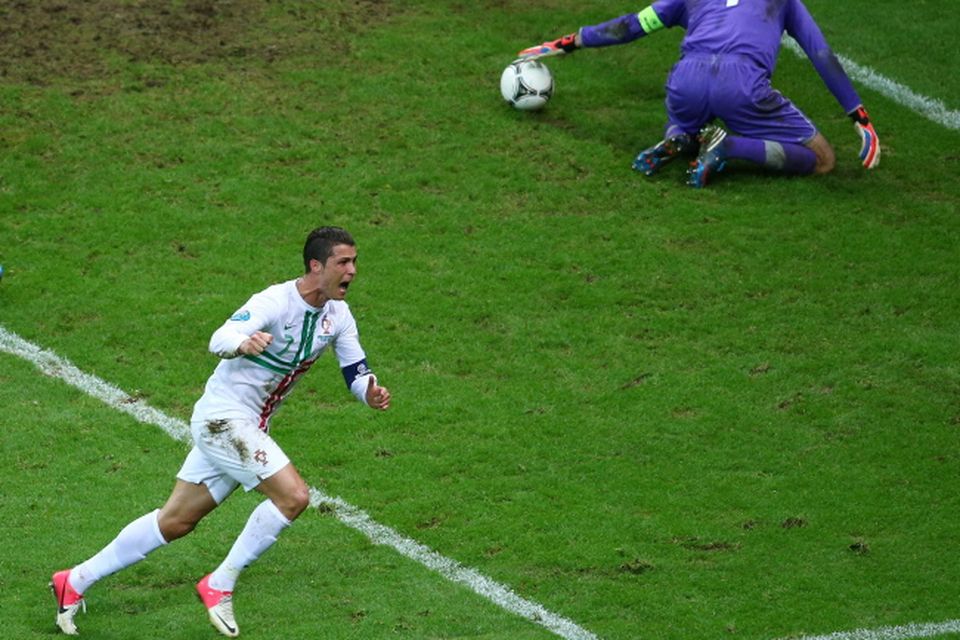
[[338, 272]]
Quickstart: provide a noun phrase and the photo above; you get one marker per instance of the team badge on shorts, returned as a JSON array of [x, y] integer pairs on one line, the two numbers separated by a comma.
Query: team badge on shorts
[[260, 456]]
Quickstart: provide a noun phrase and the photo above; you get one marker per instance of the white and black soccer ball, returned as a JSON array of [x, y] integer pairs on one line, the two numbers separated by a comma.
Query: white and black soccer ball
[[526, 84]]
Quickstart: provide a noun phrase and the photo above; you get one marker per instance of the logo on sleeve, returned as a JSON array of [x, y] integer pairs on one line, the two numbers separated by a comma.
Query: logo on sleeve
[[241, 316]]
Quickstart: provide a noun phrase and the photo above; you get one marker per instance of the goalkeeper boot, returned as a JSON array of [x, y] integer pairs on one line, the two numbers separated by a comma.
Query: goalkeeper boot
[[649, 161], [219, 606], [68, 601], [712, 158]]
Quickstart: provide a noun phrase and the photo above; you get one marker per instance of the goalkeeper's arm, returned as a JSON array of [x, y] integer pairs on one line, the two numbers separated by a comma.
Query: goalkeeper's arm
[[808, 35], [622, 30]]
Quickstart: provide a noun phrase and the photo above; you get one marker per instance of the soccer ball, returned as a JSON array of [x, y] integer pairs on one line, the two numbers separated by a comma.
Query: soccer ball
[[526, 84]]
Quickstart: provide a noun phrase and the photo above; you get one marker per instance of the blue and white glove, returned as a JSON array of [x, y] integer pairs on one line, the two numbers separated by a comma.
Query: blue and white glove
[[869, 142], [566, 44]]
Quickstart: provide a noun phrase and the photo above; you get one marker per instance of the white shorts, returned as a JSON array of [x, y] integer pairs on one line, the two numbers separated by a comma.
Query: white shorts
[[227, 453]]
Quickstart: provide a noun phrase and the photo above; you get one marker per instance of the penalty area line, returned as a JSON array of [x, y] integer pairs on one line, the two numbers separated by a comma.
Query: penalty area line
[[57, 367]]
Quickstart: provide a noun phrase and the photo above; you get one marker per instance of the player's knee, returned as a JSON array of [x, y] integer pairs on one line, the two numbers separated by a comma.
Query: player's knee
[[825, 163], [826, 159], [302, 498], [294, 502], [173, 526]]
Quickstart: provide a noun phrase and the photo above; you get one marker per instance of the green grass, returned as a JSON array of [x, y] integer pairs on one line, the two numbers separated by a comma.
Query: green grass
[[658, 412]]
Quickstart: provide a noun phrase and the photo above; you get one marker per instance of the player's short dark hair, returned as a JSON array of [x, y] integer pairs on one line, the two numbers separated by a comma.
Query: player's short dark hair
[[320, 243]]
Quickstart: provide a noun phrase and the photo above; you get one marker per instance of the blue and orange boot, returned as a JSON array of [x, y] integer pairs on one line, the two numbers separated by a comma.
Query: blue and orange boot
[[649, 161], [712, 158]]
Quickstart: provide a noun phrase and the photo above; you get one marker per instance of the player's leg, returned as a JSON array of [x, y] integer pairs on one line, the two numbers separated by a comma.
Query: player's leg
[[287, 496], [188, 504], [287, 491], [786, 157], [770, 130], [815, 156], [185, 507], [130, 546], [254, 459], [686, 113]]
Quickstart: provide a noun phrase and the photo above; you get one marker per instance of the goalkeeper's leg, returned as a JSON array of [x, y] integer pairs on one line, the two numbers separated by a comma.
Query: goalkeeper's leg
[[786, 157], [770, 130]]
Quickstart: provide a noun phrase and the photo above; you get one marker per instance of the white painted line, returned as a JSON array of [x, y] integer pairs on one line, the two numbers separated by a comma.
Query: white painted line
[[450, 569], [355, 518], [893, 633], [57, 367], [930, 108]]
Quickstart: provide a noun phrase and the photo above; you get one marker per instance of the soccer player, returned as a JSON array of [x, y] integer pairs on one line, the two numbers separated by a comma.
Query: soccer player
[[265, 347], [728, 54]]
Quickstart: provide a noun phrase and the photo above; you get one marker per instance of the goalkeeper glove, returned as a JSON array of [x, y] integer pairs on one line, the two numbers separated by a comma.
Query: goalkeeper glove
[[869, 142], [566, 44]]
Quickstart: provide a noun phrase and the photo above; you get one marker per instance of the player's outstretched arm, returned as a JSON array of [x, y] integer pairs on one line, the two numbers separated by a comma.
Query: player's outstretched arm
[[622, 30], [377, 397], [566, 44], [869, 142]]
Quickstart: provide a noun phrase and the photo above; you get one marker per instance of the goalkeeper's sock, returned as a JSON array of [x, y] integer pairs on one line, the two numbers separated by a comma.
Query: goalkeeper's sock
[[779, 156]]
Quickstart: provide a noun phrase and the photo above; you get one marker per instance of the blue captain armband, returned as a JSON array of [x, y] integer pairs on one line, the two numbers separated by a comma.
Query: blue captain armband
[[352, 372]]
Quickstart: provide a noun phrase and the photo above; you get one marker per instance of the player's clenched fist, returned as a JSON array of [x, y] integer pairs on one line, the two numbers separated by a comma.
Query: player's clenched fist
[[255, 344], [377, 397]]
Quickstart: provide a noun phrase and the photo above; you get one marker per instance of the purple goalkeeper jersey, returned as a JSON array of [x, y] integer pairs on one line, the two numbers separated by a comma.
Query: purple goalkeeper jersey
[[749, 28]]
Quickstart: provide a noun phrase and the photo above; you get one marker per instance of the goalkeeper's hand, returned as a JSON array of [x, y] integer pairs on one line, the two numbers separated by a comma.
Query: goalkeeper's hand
[[869, 142], [566, 44]]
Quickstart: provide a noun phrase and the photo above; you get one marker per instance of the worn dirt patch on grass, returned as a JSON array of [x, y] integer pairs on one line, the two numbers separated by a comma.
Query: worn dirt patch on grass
[[52, 39]]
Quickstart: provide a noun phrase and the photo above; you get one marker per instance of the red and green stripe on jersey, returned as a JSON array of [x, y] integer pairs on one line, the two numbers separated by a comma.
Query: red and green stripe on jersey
[[291, 369]]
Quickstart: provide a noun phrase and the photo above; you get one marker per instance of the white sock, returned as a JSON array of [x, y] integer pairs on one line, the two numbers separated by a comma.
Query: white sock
[[131, 545], [261, 531]]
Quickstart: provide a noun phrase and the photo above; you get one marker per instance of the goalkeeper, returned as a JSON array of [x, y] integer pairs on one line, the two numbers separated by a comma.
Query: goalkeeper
[[728, 54]]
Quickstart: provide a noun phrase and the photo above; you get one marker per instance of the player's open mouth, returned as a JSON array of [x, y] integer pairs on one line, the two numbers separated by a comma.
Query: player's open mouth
[[344, 286]]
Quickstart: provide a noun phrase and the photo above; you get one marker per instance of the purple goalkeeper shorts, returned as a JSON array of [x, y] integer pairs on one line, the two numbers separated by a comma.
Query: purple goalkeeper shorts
[[733, 88]]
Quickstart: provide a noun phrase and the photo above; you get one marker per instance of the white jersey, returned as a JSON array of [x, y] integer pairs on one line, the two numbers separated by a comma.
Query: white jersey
[[253, 387]]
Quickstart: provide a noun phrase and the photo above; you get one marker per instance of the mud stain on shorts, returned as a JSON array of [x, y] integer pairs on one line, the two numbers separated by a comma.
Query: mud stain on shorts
[[217, 427], [241, 448], [222, 430]]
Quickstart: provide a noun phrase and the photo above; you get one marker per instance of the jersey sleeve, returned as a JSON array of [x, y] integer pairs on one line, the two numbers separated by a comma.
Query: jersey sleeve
[[255, 315], [352, 359], [672, 13], [629, 27], [800, 25]]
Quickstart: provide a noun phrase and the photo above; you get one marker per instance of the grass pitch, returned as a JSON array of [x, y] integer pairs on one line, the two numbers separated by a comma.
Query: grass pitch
[[657, 412]]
